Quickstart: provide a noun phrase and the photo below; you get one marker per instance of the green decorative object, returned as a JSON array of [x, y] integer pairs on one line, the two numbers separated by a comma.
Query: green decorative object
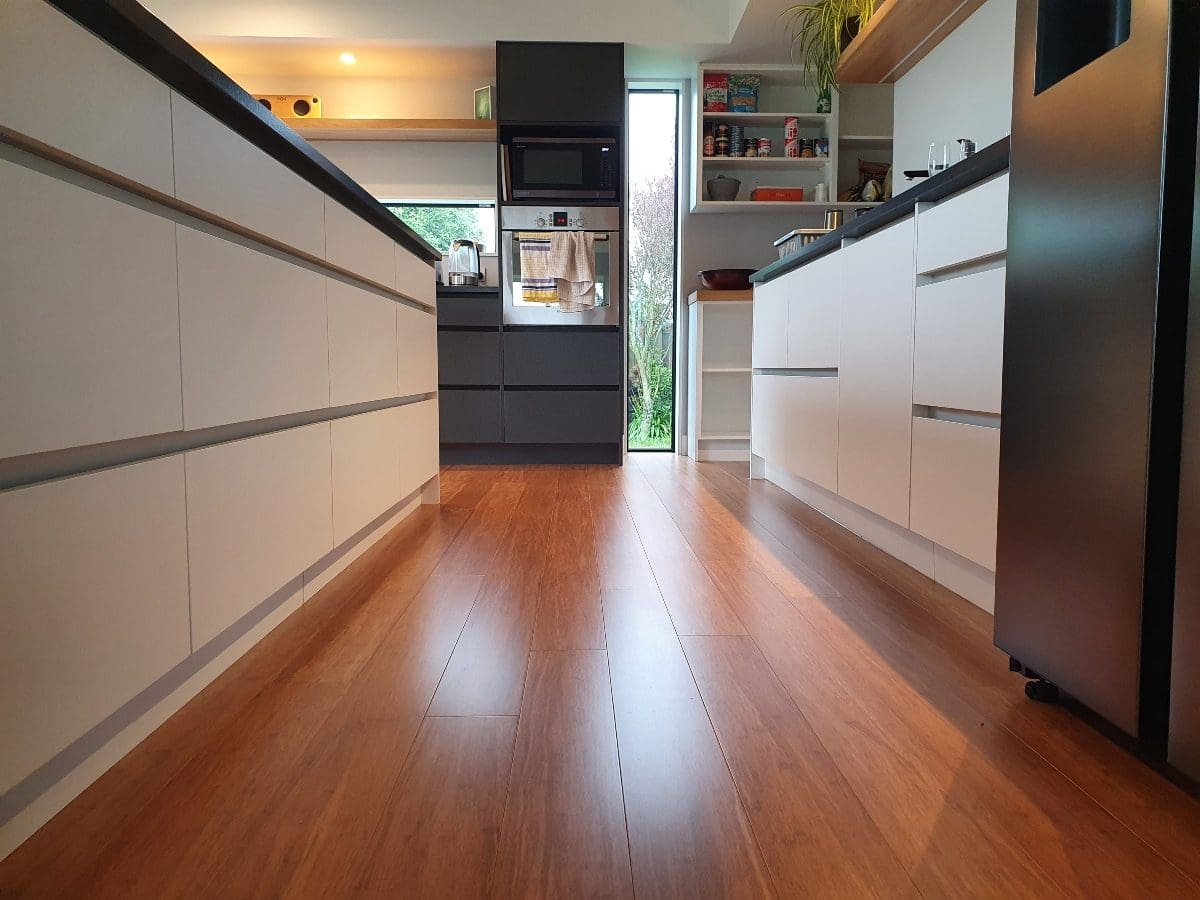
[[483, 102], [820, 31], [824, 102]]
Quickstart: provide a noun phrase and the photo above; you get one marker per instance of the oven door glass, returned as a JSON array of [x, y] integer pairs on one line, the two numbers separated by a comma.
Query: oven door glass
[[519, 310]]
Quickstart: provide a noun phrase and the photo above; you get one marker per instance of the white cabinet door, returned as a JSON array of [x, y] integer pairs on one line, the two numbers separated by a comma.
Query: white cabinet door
[[259, 512], [253, 333], [419, 451], [415, 277], [875, 372], [769, 349], [222, 173], [357, 246], [808, 417], [955, 483], [89, 317], [960, 342], [968, 226], [94, 581], [813, 314], [760, 414], [362, 344], [366, 469], [67, 88], [416, 350]]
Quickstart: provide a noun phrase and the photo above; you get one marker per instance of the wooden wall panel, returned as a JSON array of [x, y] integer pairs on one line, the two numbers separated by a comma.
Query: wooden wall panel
[[89, 323], [259, 513], [71, 91], [253, 329], [93, 576]]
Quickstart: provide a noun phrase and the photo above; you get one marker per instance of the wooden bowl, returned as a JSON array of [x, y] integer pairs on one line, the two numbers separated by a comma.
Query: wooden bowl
[[725, 279]]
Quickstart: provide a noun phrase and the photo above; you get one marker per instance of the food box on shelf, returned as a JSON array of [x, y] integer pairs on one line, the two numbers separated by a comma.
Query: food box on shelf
[[743, 93], [716, 92], [777, 194]]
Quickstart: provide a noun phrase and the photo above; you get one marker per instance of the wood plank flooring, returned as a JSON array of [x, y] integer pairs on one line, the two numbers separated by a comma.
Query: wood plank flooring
[[661, 680]]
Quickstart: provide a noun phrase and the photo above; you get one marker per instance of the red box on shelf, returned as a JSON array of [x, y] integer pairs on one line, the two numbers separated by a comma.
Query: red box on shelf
[[777, 195]]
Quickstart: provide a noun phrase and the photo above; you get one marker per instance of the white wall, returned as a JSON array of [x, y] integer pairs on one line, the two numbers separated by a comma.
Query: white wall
[[417, 170], [963, 89]]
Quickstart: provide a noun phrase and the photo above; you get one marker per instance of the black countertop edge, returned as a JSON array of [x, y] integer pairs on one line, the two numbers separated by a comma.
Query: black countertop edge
[[989, 161], [136, 32], [467, 290]]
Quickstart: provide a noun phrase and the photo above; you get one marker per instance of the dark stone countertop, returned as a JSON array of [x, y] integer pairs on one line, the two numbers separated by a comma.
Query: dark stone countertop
[[989, 161]]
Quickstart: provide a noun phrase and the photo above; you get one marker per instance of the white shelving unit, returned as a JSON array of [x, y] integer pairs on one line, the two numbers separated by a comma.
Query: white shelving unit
[[784, 94], [719, 335]]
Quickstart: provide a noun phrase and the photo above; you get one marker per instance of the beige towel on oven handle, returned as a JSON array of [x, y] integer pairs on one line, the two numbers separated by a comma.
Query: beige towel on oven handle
[[573, 263]]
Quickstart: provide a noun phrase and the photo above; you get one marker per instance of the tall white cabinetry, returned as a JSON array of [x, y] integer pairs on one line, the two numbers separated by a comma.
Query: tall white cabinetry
[[876, 385]]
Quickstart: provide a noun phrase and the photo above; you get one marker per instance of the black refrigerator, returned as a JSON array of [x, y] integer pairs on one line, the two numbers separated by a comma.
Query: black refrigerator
[[1102, 175]]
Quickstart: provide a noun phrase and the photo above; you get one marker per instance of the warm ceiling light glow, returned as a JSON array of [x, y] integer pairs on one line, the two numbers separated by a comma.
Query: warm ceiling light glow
[[348, 58]]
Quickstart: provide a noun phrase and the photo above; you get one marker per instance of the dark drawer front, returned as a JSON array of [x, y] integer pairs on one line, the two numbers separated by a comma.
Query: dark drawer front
[[470, 417], [562, 357], [562, 417], [470, 310], [469, 357]]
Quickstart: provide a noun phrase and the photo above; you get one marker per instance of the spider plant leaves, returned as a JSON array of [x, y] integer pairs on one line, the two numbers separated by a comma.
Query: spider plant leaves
[[815, 32]]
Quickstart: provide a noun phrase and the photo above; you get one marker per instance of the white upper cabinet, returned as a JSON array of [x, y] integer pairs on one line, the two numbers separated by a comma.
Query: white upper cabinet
[[224, 174], [814, 313], [361, 248], [960, 342], [875, 371], [62, 86], [89, 320], [253, 333], [769, 349], [970, 225]]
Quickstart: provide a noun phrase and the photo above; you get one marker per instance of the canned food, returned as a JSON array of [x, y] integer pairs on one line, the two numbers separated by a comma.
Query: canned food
[[791, 129], [751, 147], [764, 146], [791, 149], [822, 147], [807, 149], [721, 146], [710, 143]]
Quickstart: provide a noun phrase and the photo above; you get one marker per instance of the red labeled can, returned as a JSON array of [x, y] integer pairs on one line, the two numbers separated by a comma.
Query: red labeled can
[[791, 129], [791, 149]]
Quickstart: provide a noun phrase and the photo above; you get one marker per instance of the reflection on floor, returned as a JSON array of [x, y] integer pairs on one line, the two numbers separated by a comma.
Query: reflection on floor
[[580, 682]]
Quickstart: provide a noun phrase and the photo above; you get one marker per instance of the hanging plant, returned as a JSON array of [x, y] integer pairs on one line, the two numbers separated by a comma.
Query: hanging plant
[[820, 31]]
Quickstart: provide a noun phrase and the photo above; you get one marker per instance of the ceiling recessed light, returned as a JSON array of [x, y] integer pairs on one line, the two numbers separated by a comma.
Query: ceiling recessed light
[[348, 58]]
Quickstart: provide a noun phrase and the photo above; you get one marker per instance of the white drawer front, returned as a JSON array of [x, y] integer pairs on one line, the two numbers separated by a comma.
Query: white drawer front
[[419, 451], [809, 419], [67, 88], [415, 277], [960, 342], [353, 244], [93, 572], [362, 344], [814, 314], [366, 469], [965, 227], [769, 349], [259, 514], [224, 174], [416, 350], [253, 333], [955, 482], [89, 317]]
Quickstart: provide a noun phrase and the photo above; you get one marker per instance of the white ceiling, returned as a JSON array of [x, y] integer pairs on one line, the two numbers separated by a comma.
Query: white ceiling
[[431, 39]]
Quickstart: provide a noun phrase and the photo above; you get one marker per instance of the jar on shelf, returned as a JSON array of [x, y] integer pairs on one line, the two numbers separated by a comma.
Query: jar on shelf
[[807, 148], [751, 147]]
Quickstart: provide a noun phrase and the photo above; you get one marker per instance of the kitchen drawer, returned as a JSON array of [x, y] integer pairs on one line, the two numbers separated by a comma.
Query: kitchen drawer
[[470, 416], [967, 226], [814, 313], [415, 277], [769, 346], [562, 417], [478, 310], [469, 357], [959, 350], [552, 358], [955, 480], [808, 415]]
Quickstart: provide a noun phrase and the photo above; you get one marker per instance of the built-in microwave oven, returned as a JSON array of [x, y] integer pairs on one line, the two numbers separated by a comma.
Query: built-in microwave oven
[[556, 168]]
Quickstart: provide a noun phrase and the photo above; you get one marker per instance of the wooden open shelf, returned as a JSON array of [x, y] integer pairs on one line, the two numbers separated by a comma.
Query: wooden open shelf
[[474, 130], [899, 36]]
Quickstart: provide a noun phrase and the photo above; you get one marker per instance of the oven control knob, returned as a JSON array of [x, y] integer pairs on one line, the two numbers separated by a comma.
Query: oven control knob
[[541, 221], [578, 223]]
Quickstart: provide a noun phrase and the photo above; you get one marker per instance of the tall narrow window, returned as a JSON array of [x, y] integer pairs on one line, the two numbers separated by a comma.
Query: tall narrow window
[[653, 241]]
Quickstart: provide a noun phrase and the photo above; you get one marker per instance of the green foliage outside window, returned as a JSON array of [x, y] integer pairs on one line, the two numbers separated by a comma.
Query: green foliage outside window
[[442, 224]]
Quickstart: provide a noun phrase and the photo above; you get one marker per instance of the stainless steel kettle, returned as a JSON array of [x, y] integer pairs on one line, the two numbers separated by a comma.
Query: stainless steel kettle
[[462, 263]]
